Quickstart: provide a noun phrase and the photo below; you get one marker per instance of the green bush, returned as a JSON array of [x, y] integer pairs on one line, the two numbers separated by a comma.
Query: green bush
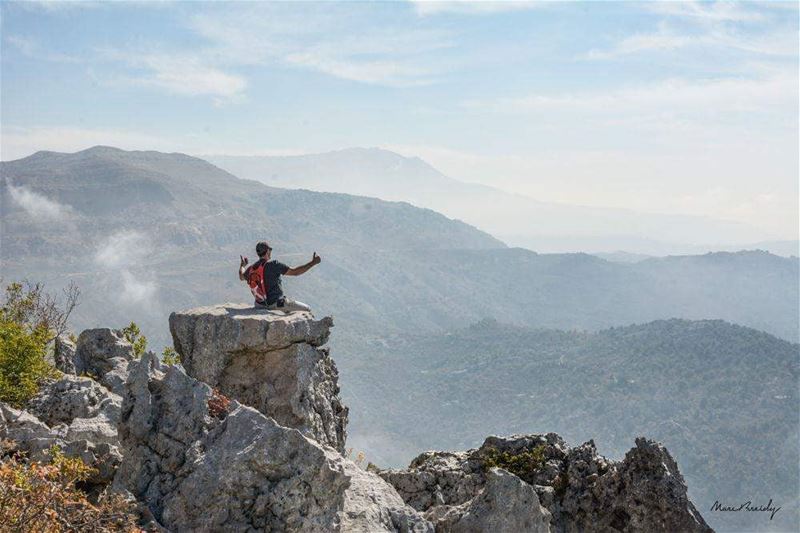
[[523, 465], [133, 335], [170, 357], [29, 320], [22, 361]]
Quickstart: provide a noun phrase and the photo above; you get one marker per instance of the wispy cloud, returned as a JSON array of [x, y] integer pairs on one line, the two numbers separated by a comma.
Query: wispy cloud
[[385, 52], [30, 48], [185, 73], [120, 254], [719, 11], [426, 8], [37, 205], [710, 25], [258, 35]]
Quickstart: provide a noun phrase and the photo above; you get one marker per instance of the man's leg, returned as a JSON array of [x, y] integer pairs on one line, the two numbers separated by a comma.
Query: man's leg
[[290, 305], [294, 305]]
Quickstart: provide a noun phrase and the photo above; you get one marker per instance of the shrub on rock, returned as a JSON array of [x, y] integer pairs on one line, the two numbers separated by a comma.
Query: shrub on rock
[[46, 497]]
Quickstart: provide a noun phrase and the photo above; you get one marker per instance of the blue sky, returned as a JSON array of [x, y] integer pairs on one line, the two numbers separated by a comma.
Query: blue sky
[[655, 106]]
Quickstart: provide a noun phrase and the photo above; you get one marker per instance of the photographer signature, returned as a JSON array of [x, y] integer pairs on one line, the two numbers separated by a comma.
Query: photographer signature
[[747, 506]]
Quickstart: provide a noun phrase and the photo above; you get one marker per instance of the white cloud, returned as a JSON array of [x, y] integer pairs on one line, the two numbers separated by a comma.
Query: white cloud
[[137, 291], [190, 74], [711, 25], [120, 254], [719, 11], [470, 7], [37, 205], [384, 52], [781, 43], [122, 248], [30, 48]]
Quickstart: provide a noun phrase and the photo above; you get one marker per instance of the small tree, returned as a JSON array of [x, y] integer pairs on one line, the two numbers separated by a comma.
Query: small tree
[[170, 357], [29, 305], [133, 335], [29, 320]]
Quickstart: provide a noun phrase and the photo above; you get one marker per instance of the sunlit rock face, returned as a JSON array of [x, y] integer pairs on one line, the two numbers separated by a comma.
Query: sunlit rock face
[[201, 462], [269, 360]]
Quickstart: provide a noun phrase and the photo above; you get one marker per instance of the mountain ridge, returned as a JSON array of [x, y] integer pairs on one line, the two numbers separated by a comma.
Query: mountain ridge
[[517, 219]]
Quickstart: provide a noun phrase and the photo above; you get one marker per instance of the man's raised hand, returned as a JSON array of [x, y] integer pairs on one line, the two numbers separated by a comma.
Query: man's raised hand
[[242, 261], [316, 259]]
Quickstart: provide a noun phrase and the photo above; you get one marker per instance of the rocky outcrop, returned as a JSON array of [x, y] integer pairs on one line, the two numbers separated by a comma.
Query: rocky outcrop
[[101, 353], [268, 360], [578, 489], [77, 413], [105, 353], [80, 408], [203, 463]]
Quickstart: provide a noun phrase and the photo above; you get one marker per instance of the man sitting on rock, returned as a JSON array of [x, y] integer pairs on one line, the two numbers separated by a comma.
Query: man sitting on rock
[[264, 279]]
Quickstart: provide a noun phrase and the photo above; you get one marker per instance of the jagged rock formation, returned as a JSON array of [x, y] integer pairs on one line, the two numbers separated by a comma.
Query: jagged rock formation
[[201, 462], [580, 490], [74, 413], [79, 414], [267, 360]]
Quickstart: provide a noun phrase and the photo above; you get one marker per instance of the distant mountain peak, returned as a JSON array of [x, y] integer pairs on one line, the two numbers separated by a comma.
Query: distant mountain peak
[[102, 149]]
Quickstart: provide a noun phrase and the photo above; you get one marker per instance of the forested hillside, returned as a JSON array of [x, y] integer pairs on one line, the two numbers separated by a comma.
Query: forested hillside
[[721, 397]]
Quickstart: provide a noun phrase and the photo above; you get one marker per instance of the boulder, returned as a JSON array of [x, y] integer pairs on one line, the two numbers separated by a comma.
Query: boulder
[[64, 400], [105, 353], [505, 504], [201, 462], [580, 490], [268, 360]]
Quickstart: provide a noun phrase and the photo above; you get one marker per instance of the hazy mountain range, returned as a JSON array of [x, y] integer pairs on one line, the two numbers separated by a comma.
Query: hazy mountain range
[[517, 220], [146, 233]]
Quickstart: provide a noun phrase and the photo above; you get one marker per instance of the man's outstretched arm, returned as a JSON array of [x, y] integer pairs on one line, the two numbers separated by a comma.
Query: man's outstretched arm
[[296, 271]]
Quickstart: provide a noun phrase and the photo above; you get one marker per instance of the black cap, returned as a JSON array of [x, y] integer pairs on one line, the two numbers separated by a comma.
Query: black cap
[[261, 248]]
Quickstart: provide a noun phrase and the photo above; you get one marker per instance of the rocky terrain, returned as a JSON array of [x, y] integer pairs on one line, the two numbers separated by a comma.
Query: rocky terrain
[[565, 489], [248, 434]]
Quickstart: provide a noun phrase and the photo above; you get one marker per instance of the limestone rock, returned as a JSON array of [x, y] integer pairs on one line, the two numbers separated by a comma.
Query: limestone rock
[[202, 463], [104, 353], [268, 360], [64, 354], [643, 492], [72, 397], [582, 490], [91, 444], [75, 413]]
